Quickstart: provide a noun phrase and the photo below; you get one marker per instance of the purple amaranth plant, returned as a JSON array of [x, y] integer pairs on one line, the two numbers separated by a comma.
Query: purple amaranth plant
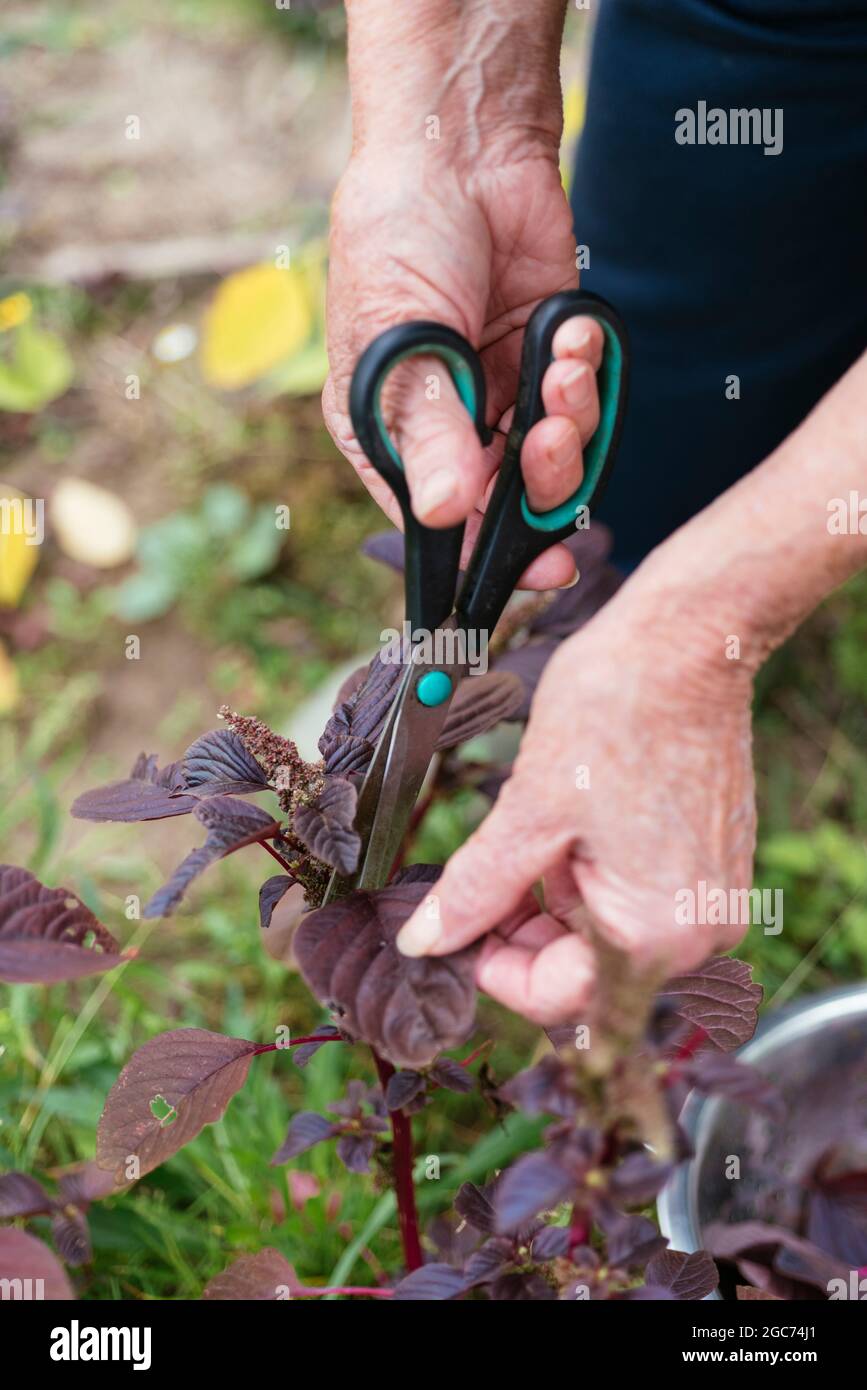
[[566, 1220]]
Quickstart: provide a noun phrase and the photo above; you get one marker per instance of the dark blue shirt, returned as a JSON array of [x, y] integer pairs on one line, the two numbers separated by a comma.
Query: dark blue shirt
[[724, 261]]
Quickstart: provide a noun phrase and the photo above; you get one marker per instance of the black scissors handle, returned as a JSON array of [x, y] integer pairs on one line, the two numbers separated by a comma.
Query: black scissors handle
[[432, 556], [512, 535]]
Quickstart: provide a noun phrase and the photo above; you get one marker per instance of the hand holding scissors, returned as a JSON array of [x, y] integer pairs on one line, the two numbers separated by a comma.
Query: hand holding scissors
[[511, 536]]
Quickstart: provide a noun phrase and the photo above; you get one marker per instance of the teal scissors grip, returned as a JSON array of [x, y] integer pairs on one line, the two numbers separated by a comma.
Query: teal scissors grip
[[611, 386], [459, 369]]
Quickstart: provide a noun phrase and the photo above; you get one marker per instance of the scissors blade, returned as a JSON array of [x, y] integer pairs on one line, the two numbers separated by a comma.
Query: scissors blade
[[398, 769]]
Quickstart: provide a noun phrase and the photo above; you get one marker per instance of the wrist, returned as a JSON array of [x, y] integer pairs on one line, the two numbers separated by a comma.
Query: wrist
[[482, 78]]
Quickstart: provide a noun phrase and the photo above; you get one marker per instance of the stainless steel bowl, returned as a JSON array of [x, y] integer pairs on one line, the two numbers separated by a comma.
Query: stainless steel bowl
[[795, 1048]]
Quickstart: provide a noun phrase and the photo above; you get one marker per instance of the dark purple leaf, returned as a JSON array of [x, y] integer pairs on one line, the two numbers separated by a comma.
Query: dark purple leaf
[[368, 707], [363, 714], [527, 663], [348, 688], [218, 764], [546, 1089], [638, 1178], [719, 997], [837, 1217], [521, 1288], [787, 1253], [474, 1204], [551, 1243], [147, 794], [355, 1151], [810, 1265], [452, 1076], [374, 1124], [47, 934], [351, 1107], [727, 1241], [480, 702], [85, 1184], [266, 1276], [630, 1240], [537, 1182], [403, 1087], [29, 1265], [492, 782], [688, 1277], [305, 1130], [599, 581], [326, 825], [387, 547], [348, 754], [418, 873], [168, 1091], [21, 1195], [409, 1009], [431, 1283], [301, 1055], [575, 607], [231, 824], [747, 1294], [489, 1260], [71, 1236], [721, 1074], [270, 893]]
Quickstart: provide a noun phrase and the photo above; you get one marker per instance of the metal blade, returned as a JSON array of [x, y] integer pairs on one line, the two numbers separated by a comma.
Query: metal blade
[[397, 771]]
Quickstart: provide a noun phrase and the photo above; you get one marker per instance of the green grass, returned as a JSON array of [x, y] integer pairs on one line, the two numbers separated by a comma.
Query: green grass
[[219, 1197]]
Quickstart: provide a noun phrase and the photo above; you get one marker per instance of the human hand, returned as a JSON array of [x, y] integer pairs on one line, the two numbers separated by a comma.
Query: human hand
[[633, 783], [475, 249]]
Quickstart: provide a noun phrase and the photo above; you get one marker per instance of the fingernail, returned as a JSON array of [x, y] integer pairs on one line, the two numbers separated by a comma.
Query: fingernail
[[419, 934], [573, 336], [572, 582], [562, 450], [434, 490], [576, 386]]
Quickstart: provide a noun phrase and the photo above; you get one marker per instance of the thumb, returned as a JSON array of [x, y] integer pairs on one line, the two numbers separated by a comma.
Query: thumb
[[446, 465], [480, 886]]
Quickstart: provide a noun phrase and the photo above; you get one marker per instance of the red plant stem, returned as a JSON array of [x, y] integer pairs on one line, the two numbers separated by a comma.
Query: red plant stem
[[475, 1053], [296, 1042], [359, 1289], [274, 855], [404, 1187], [689, 1046], [579, 1231]]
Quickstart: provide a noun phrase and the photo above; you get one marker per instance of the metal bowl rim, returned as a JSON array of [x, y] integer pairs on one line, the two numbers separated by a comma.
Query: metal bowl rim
[[677, 1207]]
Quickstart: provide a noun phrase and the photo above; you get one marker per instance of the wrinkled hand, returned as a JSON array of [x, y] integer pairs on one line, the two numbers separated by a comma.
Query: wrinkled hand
[[477, 251], [634, 781]]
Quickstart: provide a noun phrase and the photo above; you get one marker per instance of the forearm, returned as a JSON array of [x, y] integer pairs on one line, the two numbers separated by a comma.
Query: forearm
[[485, 69], [756, 562]]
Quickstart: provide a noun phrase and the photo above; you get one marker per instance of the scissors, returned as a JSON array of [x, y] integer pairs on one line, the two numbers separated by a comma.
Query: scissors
[[510, 537]]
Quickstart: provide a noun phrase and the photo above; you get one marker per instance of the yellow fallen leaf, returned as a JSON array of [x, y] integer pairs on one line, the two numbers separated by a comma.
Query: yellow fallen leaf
[[21, 531], [258, 317], [14, 310], [9, 689], [574, 107], [91, 524]]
